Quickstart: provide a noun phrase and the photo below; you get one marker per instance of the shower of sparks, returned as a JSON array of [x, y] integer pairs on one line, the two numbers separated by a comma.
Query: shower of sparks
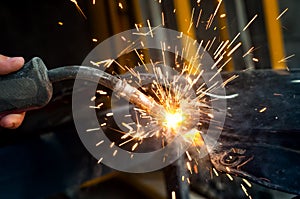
[[280, 15], [78, 8], [183, 111], [210, 21]]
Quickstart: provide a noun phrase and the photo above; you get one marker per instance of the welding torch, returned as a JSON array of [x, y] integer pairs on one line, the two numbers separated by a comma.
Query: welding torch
[[31, 87]]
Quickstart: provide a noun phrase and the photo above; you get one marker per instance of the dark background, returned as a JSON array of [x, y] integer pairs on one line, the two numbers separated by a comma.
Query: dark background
[[30, 28], [31, 157]]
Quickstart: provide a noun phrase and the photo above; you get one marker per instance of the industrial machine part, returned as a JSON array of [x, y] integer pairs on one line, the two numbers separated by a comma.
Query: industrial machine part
[[260, 138]]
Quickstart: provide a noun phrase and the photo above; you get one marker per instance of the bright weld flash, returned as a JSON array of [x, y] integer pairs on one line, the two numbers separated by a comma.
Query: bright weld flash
[[173, 119]]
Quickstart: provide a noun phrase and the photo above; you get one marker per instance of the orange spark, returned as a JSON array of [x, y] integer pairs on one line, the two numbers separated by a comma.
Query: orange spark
[[223, 15], [280, 15], [263, 109], [121, 5], [255, 16], [78, 8]]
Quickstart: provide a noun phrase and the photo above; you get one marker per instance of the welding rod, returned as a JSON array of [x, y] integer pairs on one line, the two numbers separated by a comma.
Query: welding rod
[[31, 87]]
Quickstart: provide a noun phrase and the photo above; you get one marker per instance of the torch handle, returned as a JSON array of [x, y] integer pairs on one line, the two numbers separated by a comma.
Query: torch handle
[[26, 89]]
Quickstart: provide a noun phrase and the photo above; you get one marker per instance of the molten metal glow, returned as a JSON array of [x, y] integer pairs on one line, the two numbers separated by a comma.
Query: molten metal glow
[[173, 120]]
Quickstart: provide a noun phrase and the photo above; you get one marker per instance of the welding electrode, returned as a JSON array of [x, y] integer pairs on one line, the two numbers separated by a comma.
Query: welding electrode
[[31, 87]]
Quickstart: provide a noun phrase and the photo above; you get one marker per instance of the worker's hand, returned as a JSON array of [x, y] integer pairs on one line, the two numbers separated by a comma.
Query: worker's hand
[[8, 65]]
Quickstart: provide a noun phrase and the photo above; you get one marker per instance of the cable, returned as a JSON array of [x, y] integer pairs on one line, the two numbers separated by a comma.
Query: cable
[[119, 86]]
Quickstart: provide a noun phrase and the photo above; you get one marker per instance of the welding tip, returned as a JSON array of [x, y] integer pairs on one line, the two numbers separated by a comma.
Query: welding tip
[[139, 99]]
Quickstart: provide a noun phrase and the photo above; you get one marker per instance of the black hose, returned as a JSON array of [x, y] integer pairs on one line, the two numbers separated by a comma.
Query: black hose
[[84, 73]]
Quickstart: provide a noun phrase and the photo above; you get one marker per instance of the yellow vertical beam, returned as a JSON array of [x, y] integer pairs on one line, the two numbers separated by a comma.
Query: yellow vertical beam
[[137, 11], [274, 34], [116, 22], [98, 15], [183, 17], [139, 20]]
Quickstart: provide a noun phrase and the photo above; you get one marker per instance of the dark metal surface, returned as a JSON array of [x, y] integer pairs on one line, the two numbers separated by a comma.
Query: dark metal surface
[[260, 140], [47, 164], [173, 179], [263, 145]]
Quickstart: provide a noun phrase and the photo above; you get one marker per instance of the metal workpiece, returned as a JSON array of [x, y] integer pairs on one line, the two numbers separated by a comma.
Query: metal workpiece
[[260, 138]]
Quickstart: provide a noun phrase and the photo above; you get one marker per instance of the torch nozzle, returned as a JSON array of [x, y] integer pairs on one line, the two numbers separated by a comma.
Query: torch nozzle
[[121, 87], [139, 99]]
